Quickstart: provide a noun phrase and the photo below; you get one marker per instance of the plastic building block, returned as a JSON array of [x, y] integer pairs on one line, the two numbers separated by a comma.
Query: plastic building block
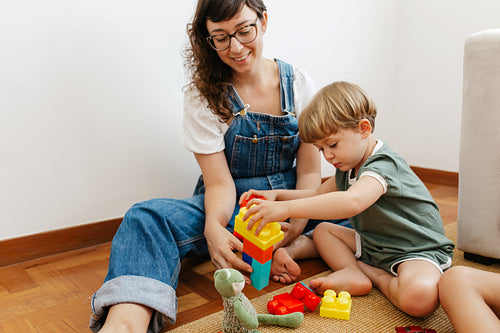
[[270, 234], [257, 249], [256, 252], [294, 301], [246, 258], [237, 235], [306, 295], [284, 303], [336, 307], [414, 329], [260, 274]]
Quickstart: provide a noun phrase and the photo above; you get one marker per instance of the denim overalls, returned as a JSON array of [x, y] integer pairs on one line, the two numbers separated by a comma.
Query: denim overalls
[[157, 234]]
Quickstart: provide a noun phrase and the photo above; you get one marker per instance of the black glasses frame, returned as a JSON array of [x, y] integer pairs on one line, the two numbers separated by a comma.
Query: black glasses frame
[[210, 39]]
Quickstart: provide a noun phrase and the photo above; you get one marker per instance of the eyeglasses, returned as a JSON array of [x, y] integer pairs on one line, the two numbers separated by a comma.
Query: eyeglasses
[[244, 35]]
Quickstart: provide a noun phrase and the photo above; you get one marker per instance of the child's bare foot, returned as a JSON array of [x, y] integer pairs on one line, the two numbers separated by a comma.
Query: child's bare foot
[[348, 279], [283, 268], [375, 274]]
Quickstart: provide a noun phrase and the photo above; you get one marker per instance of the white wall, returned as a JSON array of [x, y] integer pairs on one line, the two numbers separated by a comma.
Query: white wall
[[91, 106], [429, 61], [91, 102], [340, 40]]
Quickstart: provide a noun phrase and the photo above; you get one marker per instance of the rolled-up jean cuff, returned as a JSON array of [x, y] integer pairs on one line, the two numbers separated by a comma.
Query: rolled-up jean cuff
[[135, 289]]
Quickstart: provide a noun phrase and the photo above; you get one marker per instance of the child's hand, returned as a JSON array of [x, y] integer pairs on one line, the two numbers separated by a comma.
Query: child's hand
[[265, 212], [245, 197]]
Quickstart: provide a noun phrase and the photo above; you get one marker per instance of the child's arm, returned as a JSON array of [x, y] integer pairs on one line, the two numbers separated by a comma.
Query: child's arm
[[282, 195], [275, 195], [330, 205]]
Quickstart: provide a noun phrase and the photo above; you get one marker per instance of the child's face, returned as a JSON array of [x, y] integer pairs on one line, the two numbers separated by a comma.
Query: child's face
[[345, 149]]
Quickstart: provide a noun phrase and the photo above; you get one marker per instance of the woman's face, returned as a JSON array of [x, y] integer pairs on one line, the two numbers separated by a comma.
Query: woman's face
[[240, 57]]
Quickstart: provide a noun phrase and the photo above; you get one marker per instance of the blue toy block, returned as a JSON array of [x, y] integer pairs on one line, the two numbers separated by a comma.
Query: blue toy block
[[246, 258], [260, 274]]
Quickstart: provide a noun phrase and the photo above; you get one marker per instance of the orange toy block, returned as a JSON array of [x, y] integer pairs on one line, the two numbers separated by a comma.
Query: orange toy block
[[256, 252]]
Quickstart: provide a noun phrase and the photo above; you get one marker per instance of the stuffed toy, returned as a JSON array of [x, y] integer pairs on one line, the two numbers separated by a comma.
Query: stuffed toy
[[239, 314]]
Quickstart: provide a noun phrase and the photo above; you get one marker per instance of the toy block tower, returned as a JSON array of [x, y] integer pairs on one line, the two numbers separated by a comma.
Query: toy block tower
[[257, 249]]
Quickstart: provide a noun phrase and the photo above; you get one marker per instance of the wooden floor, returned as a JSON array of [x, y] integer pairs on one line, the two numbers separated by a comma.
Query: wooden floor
[[52, 294]]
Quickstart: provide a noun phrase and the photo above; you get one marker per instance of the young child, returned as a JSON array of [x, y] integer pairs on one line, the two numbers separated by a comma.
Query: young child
[[471, 299], [398, 243]]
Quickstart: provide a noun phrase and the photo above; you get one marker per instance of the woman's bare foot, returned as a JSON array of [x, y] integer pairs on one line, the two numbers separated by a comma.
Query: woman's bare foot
[[283, 268], [346, 279]]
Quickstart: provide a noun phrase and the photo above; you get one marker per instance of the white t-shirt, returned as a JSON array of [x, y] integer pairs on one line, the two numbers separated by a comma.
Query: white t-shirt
[[203, 132]]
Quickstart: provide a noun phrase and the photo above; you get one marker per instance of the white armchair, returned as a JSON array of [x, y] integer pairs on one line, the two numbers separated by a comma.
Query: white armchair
[[479, 166]]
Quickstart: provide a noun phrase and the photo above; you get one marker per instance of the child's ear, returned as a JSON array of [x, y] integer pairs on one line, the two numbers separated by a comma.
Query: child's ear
[[365, 127]]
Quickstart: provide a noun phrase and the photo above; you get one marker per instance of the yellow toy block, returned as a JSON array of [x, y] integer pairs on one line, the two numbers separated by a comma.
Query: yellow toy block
[[270, 234], [336, 307]]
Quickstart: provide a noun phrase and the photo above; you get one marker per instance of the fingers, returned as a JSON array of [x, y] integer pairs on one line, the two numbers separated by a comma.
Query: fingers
[[260, 226], [246, 196], [254, 201], [251, 210], [285, 226], [229, 259]]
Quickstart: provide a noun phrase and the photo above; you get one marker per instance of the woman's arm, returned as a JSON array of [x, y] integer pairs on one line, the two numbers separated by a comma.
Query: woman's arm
[[308, 167], [308, 179], [220, 197]]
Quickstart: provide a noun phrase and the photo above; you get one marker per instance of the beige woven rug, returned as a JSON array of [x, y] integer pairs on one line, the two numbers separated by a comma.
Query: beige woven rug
[[370, 313]]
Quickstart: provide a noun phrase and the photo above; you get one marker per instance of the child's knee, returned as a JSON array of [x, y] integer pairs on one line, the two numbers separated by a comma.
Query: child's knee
[[419, 300], [455, 276], [320, 230]]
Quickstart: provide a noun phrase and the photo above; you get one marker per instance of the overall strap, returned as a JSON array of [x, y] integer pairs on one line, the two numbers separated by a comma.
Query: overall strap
[[286, 84], [237, 106]]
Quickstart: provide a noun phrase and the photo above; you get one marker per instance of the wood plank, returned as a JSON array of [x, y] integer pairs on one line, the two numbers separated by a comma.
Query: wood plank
[[52, 242], [58, 326], [75, 314], [189, 301], [203, 285], [17, 325], [436, 176], [16, 279]]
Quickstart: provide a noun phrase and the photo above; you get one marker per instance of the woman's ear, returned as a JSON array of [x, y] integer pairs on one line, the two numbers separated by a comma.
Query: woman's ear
[[365, 127], [263, 21]]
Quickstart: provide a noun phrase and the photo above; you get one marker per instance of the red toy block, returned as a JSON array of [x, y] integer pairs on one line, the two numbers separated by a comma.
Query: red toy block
[[256, 252], [283, 304], [306, 295], [414, 329], [244, 202], [237, 235]]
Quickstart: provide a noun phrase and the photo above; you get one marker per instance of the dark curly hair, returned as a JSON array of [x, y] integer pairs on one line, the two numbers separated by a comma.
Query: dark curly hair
[[207, 72]]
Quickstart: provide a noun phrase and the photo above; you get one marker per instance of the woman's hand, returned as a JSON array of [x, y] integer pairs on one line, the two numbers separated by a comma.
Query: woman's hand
[[221, 244]]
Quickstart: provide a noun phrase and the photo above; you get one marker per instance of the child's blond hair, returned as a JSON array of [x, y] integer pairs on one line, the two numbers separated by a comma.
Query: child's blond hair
[[338, 105]]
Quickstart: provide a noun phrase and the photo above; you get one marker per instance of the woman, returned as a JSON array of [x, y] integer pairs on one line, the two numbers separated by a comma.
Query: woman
[[240, 122]]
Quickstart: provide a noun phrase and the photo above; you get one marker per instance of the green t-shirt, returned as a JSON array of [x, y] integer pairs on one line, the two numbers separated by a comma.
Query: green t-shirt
[[404, 221]]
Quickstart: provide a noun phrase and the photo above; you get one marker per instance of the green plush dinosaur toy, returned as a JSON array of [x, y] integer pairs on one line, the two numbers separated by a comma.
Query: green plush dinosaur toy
[[239, 314]]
